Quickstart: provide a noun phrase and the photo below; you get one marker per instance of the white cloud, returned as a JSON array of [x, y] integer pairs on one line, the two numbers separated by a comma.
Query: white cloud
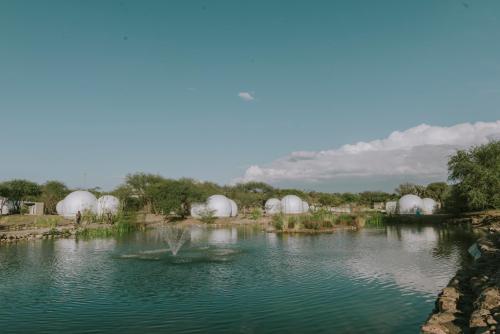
[[419, 152], [246, 96]]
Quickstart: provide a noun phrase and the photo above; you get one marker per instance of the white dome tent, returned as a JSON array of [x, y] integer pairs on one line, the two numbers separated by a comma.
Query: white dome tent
[[60, 208], [305, 206], [5, 206], [291, 204], [273, 206], [429, 206], [234, 208], [391, 207], [79, 200], [198, 210], [108, 204], [410, 204], [219, 205]]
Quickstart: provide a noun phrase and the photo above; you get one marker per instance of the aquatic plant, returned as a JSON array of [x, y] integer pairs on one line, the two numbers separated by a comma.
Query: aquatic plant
[[311, 224], [375, 219]]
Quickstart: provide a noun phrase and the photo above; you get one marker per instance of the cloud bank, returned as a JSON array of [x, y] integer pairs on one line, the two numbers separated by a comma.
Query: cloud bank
[[420, 152], [246, 96]]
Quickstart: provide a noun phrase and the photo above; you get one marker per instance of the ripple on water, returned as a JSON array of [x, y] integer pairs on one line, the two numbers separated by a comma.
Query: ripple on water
[[370, 282]]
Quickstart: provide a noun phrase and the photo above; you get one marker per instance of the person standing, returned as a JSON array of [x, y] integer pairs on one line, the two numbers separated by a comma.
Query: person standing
[[78, 217]]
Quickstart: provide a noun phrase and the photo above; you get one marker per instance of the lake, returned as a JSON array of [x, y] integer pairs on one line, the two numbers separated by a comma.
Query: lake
[[227, 280]]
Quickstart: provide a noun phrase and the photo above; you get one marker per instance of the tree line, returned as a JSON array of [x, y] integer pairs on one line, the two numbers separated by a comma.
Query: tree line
[[474, 177]]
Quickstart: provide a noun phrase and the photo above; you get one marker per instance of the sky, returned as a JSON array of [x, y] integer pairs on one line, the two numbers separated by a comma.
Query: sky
[[323, 95]]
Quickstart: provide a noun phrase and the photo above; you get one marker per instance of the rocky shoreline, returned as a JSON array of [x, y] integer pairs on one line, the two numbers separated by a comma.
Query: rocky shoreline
[[471, 301]]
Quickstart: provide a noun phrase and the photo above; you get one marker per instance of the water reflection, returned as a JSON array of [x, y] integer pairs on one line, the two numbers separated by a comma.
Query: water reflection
[[231, 278]]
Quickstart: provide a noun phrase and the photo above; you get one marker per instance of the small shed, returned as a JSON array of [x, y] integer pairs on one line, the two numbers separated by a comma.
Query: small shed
[[35, 208]]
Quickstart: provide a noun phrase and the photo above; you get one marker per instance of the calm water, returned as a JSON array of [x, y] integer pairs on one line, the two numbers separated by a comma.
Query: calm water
[[230, 280]]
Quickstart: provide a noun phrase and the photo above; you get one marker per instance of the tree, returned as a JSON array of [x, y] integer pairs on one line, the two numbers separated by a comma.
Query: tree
[[437, 191], [139, 184], [476, 174], [128, 201], [52, 193], [21, 190], [410, 188], [370, 197], [174, 196]]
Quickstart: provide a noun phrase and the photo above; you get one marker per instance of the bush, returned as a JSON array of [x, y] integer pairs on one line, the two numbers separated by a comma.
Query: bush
[[89, 217], [327, 224], [208, 217], [278, 222], [376, 219], [311, 224], [292, 222], [255, 214]]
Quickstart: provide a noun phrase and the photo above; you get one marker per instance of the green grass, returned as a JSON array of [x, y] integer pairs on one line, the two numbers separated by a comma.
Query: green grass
[[51, 222], [375, 220], [125, 223], [256, 214], [278, 222]]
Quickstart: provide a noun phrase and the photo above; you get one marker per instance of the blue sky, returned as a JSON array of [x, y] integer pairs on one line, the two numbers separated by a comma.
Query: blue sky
[[105, 88]]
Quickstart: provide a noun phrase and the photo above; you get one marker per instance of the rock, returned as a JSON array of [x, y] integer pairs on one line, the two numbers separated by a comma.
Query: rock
[[447, 304], [434, 329], [490, 298]]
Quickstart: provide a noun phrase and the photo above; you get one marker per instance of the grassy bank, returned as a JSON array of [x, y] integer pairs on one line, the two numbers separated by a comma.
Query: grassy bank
[[124, 223], [323, 220]]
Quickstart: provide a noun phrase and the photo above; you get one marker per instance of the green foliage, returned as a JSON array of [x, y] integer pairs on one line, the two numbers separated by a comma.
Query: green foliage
[[52, 193], [51, 222], [311, 224], [174, 197], [375, 219], [369, 197], [410, 188], [476, 173], [278, 222], [292, 222], [138, 185], [208, 217], [89, 217], [437, 191], [256, 214], [20, 190], [128, 201], [126, 223]]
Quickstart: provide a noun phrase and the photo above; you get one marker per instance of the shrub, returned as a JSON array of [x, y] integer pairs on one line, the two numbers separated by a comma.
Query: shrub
[[327, 224], [277, 222], [292, 222], [375, 219], [208, 217], [311, 224], [255, 214]]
